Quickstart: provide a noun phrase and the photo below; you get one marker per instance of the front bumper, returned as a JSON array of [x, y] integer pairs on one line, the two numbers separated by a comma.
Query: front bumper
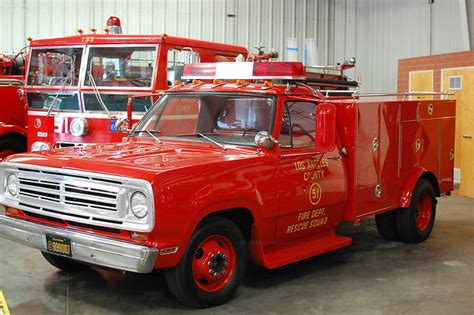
[[88, 248]]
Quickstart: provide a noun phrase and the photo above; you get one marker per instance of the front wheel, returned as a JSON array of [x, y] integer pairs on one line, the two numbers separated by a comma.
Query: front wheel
[[414, 224], [213, 265]]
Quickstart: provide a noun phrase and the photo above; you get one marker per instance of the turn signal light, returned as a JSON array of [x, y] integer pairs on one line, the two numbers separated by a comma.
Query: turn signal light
[[217, 82], [177, 82], [12, 211], [196, 82], [139, 236]]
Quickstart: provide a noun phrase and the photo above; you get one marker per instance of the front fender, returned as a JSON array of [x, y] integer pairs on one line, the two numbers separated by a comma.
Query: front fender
[[172, 260]]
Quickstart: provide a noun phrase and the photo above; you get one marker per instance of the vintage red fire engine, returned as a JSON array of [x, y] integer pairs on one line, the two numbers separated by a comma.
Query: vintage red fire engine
[[220, 173], [77, 86], [13, 115]]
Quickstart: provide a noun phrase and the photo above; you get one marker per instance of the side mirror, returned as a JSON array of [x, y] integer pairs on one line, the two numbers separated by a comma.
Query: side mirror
[[325, 127], [264, 140], [122, 125]]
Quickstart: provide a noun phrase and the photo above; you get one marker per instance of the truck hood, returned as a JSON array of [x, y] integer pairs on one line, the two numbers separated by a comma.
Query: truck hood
[[133, 158]]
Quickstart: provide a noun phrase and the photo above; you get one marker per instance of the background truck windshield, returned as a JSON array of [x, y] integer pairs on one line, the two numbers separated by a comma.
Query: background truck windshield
[[232, 119], [55, 101], [54, 66], [121, 66]]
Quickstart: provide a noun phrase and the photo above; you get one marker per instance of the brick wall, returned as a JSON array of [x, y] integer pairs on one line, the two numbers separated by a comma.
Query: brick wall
[[435, 63]]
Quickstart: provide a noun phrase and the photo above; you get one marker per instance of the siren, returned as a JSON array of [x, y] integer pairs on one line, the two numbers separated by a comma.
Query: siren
[[245, 71], [114, 25]]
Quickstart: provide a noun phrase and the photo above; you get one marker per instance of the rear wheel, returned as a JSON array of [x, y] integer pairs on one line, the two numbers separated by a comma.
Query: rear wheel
[[415, 223], [387, 225], [64, 263], [213, 265]]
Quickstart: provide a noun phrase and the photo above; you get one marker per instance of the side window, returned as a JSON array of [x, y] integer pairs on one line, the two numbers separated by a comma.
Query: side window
[[176, 61], [298, 125]]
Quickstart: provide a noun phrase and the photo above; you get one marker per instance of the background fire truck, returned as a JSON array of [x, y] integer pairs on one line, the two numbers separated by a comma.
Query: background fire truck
[[77, 87], [13, 112]]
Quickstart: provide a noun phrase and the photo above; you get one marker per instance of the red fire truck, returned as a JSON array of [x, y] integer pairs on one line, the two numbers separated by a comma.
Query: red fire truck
[[13, 116], [77, 87], [216, 174]]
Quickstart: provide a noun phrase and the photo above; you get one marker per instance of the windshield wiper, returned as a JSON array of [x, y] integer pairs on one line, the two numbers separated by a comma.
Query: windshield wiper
[[150, 132], [97, 94], [63, 86], [220, 145]]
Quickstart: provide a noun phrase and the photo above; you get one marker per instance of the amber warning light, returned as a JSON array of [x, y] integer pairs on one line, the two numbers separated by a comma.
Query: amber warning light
[[245, 71]]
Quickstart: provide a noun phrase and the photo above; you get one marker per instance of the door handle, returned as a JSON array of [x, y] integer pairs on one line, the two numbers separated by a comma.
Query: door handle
[[467, 136]]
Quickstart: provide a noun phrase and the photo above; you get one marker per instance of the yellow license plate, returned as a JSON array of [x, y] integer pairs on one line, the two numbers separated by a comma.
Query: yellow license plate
[[58, 245]]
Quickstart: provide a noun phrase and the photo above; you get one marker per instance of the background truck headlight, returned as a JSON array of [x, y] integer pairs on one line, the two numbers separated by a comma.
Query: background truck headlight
[[12, 184], [79, 127], [40, 146], [138, 205]]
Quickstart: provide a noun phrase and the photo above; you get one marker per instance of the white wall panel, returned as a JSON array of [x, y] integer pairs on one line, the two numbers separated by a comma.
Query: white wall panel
[[376, 32], [243, 22], [380, 32]]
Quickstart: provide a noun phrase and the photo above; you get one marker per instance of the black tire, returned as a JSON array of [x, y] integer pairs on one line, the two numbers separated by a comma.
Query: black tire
[[11, 144], [64, 263], [387, 225], [407, 228], [181, 279]]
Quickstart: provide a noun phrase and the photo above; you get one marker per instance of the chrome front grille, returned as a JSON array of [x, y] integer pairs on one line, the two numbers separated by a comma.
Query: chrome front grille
[[77, 196], [56, 190]]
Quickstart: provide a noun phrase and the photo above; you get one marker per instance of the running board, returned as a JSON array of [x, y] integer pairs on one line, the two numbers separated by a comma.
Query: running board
[[280, 255]]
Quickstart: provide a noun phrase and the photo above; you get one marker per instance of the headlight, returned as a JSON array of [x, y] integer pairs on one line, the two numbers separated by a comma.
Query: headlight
[[12, 184], [139, 205], [79, 127], [40, 146]]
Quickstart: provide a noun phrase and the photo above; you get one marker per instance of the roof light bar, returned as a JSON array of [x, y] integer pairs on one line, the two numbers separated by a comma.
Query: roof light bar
[[245, 71]]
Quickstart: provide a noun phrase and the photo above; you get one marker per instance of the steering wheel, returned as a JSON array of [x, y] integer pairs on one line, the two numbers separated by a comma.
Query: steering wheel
[[252, 129]]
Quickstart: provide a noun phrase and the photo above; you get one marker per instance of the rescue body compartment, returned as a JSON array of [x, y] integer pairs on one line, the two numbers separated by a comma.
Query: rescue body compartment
[[390, 145]]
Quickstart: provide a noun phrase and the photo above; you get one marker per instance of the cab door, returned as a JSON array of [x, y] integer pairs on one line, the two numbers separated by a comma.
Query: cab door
[[312, 184]]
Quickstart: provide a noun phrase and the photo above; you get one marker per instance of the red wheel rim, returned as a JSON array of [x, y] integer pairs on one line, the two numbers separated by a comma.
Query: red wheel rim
[[424, 211], [5, 153], [214, 263]]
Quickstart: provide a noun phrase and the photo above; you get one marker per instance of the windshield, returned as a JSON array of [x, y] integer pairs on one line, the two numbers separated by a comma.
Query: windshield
[[225, 118], [54, 66], [121, 66]]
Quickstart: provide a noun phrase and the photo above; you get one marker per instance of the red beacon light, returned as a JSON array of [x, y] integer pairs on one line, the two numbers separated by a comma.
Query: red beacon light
[[245, 71], [114, 26]]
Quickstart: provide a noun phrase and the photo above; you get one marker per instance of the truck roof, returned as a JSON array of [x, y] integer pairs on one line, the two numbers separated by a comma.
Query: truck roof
[[111, 39]]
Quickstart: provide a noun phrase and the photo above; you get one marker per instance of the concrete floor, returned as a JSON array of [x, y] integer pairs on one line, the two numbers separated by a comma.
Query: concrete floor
[[370, 277]]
